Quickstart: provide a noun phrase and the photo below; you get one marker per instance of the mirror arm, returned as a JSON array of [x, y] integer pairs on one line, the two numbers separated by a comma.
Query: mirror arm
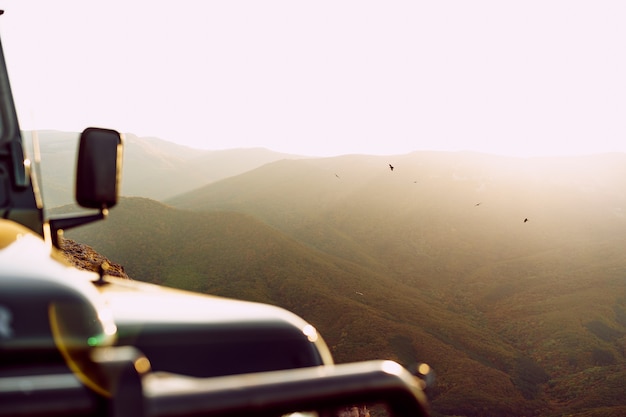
[[59, 224]]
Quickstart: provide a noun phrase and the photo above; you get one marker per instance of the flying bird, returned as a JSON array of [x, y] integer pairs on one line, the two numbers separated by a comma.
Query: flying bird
[[336, 175], [477, 204], [391, 167], [525, 220]]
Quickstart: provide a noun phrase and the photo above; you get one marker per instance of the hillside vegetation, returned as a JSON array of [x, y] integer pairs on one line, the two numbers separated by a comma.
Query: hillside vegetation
[[507, 275]]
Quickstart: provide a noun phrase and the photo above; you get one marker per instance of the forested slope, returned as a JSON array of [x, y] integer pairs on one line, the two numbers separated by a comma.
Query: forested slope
[[507, 275]]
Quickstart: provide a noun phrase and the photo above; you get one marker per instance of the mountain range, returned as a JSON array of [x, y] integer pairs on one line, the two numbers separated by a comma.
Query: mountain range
[[152, 167], [506, 275]]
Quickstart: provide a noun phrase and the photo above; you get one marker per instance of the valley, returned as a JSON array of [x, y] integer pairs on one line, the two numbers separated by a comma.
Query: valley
[[431, 262]]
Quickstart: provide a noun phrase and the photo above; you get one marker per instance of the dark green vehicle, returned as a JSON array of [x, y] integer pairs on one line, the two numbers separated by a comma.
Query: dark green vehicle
[[74, 342]]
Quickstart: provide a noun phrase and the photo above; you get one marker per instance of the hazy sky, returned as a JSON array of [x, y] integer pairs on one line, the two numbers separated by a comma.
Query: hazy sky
[[327, 77]]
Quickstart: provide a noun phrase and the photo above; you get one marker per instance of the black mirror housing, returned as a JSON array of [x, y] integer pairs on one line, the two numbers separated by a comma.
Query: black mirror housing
[[98, 169]]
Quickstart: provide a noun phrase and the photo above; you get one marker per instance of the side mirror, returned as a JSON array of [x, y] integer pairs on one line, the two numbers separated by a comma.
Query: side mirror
[[98, 169], [98, 175]]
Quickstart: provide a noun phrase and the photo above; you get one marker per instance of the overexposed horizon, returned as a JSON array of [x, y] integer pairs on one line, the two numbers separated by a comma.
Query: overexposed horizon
[[326, 78]]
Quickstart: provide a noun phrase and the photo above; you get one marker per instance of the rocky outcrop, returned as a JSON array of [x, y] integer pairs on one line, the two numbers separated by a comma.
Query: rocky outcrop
[[84, 257]]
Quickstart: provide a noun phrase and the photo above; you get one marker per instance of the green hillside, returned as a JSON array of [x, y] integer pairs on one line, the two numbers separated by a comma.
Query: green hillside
[[362, 315], [431, 261]]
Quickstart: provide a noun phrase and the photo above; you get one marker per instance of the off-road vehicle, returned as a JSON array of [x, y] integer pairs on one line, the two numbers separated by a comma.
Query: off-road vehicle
[[76, 342]]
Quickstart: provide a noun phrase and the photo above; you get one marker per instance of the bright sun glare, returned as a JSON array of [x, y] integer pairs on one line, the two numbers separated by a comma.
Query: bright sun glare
[[525, 79]]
